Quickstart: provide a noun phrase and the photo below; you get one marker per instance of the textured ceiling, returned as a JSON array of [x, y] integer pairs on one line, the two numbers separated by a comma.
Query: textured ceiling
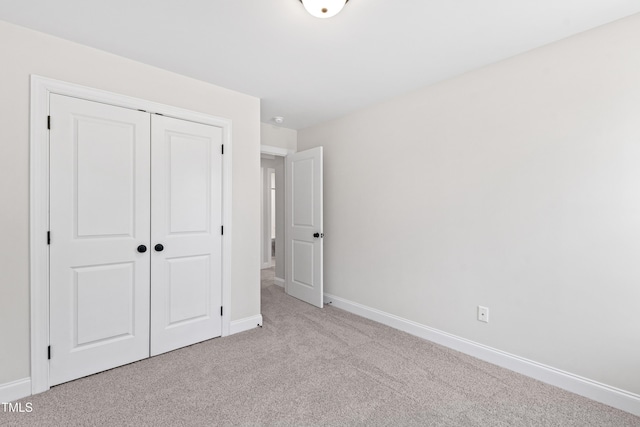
[[311, 70]]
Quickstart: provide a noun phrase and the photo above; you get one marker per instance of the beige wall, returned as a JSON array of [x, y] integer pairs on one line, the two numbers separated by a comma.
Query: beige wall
[[24, 52], [277, 136], [516, 187]]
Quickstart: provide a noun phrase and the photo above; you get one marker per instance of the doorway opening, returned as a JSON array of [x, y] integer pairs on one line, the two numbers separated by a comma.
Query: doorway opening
[[272, 222], [298, 212]]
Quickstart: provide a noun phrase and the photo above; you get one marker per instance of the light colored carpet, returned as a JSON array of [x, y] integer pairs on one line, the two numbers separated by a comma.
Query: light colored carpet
[[266, 277], [310, 366]]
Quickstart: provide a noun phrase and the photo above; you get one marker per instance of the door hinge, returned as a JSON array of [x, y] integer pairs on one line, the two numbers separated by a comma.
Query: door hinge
[[221, 311], [222, 149], [48, 237], [222, 230], [48, 122], [49, 353]]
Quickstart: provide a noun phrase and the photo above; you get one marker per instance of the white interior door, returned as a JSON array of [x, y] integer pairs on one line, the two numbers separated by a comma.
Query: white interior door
[[186, 233], [304, 226], [99, 215]]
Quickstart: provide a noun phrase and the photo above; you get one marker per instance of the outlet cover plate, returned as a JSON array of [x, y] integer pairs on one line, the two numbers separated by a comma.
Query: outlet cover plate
[[483, 314]]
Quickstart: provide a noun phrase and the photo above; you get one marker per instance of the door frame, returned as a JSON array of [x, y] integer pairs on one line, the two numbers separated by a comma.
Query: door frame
[[41, 89]]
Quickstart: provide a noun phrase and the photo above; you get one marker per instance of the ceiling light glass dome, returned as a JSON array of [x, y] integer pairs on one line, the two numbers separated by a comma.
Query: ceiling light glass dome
[[324, 8]]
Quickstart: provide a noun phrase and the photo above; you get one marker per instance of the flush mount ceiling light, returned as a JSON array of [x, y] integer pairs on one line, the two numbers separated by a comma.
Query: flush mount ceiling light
[[323, 8]]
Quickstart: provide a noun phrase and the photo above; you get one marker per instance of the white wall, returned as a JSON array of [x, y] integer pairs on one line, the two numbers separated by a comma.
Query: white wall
[[516, 187], [24, 52], [277, 136]]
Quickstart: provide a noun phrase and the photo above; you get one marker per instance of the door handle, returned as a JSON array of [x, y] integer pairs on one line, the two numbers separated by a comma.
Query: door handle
[[158, 247], [142, 249], [316, 235]]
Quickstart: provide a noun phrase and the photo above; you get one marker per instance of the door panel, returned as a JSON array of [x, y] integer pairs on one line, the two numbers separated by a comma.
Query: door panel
[[188, 295], [105, 177], [302, 263], [104, 299], [99, 214], [187, 208], [304, 278], [190, 183], [302, 175]]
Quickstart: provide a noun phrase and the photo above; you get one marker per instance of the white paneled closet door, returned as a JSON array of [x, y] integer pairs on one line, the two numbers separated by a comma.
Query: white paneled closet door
[[99, 216], [186, 267], [136, 245]]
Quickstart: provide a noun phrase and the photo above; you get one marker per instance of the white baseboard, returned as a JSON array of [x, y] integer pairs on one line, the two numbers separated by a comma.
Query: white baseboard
[[15, 390], [621, 399], [245, 324], [278, 282]]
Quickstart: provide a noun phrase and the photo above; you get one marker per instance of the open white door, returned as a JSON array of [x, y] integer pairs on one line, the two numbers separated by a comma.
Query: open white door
[[303, 248]]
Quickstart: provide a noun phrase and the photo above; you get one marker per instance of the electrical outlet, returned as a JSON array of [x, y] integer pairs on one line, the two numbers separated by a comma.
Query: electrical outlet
[[483, 314]]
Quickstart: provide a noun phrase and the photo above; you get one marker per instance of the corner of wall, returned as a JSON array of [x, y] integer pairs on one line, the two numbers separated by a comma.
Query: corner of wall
[[280, 137]]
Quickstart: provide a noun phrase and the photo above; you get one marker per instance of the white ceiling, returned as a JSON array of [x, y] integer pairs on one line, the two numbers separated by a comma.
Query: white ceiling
[[311, 70]]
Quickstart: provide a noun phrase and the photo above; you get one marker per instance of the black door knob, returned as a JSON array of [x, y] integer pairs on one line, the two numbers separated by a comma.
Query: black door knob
[[316, 235], [158, 247], [142, 249]]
